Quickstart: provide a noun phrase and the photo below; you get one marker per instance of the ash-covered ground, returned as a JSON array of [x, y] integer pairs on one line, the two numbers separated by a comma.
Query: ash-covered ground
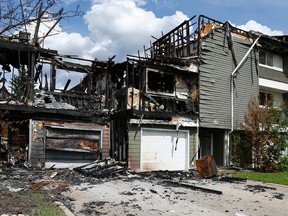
[[151, 193]]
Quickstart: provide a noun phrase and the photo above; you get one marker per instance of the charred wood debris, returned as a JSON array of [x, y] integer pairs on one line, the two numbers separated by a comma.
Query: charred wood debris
[[57, 180]]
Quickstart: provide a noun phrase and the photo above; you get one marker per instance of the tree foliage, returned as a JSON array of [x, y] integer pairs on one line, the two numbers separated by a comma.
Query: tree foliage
[[19, 85], [264, 136]]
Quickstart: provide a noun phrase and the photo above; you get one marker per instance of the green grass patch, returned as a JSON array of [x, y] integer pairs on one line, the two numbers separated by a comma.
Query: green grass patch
[[45, 206], [276, 178]]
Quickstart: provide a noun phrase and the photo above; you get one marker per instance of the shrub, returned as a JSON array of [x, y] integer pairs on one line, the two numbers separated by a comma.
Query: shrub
[[283, 163]]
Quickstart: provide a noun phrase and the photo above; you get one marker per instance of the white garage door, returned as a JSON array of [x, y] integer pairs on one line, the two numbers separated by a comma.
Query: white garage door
[[164, 150]]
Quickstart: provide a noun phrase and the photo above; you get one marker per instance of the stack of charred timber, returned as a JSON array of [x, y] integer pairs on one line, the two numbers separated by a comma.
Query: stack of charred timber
[[102, 168]]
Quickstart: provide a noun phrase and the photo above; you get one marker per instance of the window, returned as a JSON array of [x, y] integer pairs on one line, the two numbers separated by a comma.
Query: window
[[271, 60], [264, 98], [160, 82]]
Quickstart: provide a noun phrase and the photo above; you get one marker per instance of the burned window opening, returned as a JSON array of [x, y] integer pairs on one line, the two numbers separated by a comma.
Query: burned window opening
[[72, 144], [160, 82], [14, 141], [77, 144]]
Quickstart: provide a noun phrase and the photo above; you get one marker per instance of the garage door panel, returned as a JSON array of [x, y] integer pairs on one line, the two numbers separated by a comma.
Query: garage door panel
[[164, 150]]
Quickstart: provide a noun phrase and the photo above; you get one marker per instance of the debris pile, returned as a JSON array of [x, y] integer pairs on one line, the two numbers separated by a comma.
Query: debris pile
[[102, 168]]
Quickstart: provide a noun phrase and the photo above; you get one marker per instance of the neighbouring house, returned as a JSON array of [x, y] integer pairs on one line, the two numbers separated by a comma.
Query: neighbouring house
[[273, 69], [52, 110], [190, 91]]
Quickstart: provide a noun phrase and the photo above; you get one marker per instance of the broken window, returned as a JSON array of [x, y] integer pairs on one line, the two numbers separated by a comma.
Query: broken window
[[160, 82]]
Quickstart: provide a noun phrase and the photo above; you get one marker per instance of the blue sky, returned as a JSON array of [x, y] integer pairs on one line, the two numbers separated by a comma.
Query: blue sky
[[122, 27]]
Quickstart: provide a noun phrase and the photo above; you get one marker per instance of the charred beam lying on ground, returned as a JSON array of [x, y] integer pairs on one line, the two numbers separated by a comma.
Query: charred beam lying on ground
[[193, 187], [102, 168], [167, 174], [232, 179]]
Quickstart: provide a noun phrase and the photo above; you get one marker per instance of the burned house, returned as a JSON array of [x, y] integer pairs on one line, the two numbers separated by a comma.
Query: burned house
[[45, 121], [184, 98]]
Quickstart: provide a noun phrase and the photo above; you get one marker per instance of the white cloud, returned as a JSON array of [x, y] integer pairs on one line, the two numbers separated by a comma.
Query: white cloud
[[123, 27], [116, 27], [253, 25]]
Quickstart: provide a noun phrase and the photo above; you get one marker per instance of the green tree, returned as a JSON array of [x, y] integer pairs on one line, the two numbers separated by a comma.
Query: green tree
[[264, 132], [19, 85]]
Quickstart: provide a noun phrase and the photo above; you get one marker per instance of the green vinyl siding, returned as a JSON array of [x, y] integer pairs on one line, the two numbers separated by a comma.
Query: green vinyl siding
[[214, 80], [134, 147], [193, 150]]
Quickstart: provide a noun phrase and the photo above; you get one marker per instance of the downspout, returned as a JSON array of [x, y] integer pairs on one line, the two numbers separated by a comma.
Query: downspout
[[232, 90], [197, 143]]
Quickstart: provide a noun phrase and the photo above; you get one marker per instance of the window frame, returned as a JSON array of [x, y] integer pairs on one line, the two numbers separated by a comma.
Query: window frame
[[270, 60], [266, 94]]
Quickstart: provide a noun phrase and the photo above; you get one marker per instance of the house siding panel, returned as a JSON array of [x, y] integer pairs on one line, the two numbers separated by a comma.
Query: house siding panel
[[215, 72], [192, 147], [134, 147]]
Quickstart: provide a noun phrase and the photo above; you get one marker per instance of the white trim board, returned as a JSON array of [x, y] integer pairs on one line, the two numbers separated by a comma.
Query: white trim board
[[278, 86]]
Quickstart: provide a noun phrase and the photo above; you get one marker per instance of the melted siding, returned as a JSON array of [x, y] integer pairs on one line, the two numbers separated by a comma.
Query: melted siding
[[215, 72]]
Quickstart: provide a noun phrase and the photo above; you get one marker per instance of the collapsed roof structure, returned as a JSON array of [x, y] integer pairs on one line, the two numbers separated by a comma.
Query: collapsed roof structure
[[35, 105]]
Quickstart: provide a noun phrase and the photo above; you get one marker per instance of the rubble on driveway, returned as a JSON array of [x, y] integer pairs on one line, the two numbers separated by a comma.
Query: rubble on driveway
[[192, 187], [108, 167], [101, 184]]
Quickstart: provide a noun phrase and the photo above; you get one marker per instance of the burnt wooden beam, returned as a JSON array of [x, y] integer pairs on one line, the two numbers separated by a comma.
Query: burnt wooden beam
[[73, 66], [52, 77], [66, 85], [71, 95], [6, 43], [22, 112], [193, 187]]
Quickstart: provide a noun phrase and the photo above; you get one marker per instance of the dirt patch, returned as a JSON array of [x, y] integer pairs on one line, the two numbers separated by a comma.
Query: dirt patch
[[19, 202]]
